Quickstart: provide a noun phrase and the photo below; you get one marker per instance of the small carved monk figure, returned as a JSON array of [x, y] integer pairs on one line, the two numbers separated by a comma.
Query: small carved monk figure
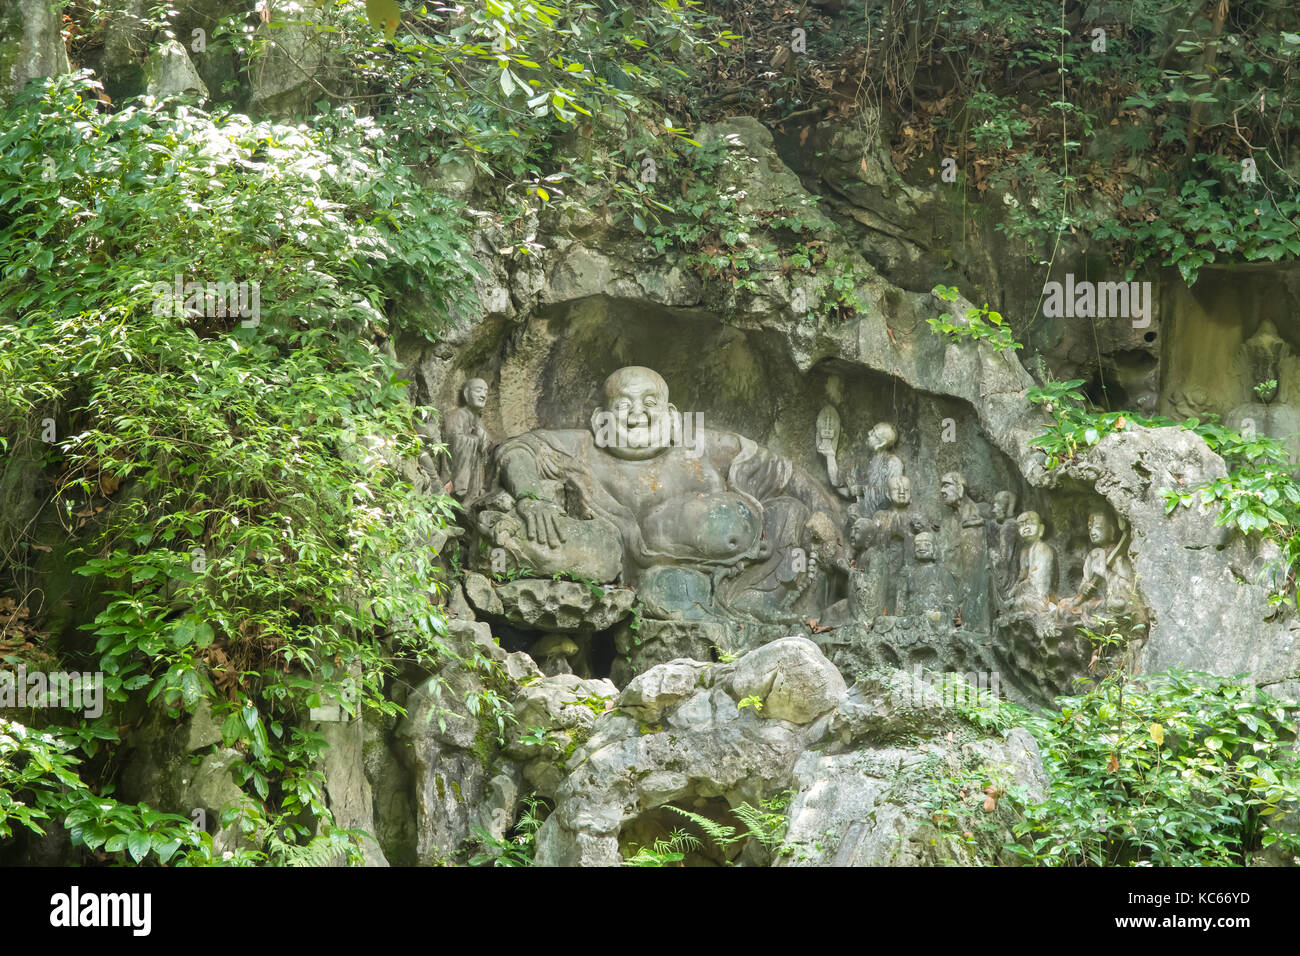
[[1033, 588], [928, 588], [869, 577], [871, 483], [1108, 577], [964, 549], [1002, 543], [467, 442], [898, 524]]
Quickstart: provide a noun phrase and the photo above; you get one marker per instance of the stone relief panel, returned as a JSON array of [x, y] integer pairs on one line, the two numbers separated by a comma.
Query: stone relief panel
[[873, 519]]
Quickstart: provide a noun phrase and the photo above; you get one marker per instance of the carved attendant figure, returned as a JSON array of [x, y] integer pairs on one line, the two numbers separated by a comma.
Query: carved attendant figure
[[467, 442], [898, 524], [1037, 578], [1108, 578], [964, 548], [1002, 544], [928, 588], [869, 578], [871, 484]]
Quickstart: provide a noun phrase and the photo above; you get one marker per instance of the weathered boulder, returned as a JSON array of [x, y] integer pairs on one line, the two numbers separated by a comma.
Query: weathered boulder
[[562, 708], [861, 770], [170, 72], [482, 595], [660, 688], [903, 750], [706, 747], [791, 677]]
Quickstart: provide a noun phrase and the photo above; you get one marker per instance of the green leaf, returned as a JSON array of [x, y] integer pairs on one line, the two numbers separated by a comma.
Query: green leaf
[[139, 845]]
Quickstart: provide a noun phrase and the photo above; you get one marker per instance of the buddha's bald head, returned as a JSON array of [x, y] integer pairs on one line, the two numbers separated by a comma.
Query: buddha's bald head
[[635, 378]]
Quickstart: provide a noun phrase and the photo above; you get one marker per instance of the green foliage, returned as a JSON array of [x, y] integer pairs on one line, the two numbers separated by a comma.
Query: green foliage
[[495, 84], [979, 324], [263, 537], [1168, 770], [1204, 219], [40, 783], [766, 824], [751, 701], [516, 850], [665, 851]]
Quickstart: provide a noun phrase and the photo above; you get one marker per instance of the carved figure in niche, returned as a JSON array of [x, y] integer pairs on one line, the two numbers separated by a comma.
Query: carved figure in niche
[[898, 525], [681, 518], [1265, 362], [869, 577], [1191, 402], [882, 466], [1003, 537], [468, 445], [828, 440], [928, 588], [1106, 589], [964, 546], [870, 484], [1035, 583]]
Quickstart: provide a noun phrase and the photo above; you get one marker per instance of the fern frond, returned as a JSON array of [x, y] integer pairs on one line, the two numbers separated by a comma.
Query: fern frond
[[720, 834]]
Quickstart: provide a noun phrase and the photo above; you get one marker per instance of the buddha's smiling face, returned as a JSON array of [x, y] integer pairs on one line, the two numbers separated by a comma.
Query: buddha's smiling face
[[642, 417]]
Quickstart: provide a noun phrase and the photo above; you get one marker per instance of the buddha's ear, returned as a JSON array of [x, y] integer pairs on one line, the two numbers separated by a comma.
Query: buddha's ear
[[674, 425]]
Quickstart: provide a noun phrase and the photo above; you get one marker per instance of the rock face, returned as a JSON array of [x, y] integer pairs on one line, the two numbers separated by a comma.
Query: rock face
[[31, 44], [169, 72], [778, 366], [857, 760], [283, 72], [567, 606], [1207, 587], [872, 803]]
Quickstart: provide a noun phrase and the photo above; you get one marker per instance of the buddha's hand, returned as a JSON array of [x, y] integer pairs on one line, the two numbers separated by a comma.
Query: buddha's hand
[[541, 521]]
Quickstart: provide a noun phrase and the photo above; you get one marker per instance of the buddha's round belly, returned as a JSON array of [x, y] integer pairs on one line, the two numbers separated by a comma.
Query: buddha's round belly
[[708, 527]]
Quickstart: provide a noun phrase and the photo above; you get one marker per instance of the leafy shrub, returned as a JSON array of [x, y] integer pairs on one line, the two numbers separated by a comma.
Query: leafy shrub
[[1176, 769], [235, 478]]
